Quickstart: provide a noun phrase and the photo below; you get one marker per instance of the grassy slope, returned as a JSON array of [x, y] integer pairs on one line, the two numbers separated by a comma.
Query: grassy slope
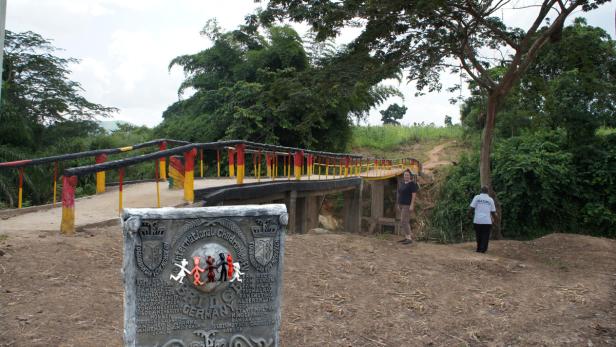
[[396, 141]]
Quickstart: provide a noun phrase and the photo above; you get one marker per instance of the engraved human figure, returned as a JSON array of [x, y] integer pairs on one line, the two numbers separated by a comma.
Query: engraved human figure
[[236, 273], [196, 272], [222, 264], [229, 265], [211, 275], [183, 272]]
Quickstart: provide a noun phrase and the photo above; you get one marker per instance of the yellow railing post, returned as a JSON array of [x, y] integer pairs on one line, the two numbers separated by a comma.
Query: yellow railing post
[[201, 161], [55, 182], [259, 167], [157, 177], [189, 175], [100, 175], [67, 226], [163, 162], [299, 162], [240, 163], [231, 154], [218, 161], [121, 188], [21, 187]]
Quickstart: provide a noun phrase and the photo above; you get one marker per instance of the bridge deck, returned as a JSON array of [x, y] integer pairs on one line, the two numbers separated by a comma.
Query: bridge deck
[[103, 208]]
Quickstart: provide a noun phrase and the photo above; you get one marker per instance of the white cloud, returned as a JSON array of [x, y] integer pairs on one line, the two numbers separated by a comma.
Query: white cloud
[[125, 47]]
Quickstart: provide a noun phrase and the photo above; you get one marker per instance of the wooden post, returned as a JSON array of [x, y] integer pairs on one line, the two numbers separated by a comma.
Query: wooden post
[[100, 175], [67, 226], [163, 162], [189, 175]]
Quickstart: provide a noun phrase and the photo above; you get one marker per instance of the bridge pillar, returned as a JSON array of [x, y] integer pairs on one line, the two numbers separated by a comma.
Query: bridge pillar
[[292, 210], [312, 212], [352, 209], [377, 200]]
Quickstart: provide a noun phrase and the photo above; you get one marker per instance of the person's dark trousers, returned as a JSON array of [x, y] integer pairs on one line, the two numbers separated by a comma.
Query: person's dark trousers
[[482, 235]]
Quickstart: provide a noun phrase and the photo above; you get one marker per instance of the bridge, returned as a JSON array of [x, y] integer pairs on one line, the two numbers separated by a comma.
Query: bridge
[[245, 172]]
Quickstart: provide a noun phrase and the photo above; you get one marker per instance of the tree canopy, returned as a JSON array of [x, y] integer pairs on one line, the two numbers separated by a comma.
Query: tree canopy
[[392, 114], [571, 85], [267, 87], [37, 91]]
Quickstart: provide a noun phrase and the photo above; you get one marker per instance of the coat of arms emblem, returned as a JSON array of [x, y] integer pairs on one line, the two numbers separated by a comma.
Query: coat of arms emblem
[[264, 250], [151, 251]]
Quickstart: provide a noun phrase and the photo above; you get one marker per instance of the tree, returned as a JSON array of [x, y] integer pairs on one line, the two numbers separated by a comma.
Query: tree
[[448, 121], [570, 85], [266, 88], [41, 113], [37, 90], [392, 114], [428, 37]]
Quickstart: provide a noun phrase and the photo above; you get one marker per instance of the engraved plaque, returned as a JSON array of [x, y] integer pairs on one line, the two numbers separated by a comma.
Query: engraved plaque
[[203, 277]]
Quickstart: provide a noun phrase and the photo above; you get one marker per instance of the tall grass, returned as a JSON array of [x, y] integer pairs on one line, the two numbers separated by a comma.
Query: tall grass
[[389, 137]]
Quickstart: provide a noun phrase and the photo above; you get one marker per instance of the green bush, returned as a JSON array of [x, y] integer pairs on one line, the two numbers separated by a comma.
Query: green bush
[[541, 185]]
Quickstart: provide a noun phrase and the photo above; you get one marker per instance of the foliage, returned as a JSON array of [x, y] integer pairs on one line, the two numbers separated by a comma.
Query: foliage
[[571, 85], [267, 88], [541, 186], [392, 114], [449, 221], [37, 91], [389, 137], [429, 37], [42, 113], [448, 121]]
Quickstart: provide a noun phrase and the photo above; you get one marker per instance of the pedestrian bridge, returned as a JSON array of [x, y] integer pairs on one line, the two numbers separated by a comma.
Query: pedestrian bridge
[[245, 172]]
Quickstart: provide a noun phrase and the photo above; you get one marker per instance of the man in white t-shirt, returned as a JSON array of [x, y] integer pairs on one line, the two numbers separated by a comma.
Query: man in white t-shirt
[[485, 210]]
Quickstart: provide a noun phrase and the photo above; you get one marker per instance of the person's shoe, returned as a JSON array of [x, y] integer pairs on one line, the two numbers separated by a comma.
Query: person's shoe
[[407, 242], [402, 240]]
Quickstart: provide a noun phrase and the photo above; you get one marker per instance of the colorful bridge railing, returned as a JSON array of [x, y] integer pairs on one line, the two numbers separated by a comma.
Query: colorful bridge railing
[[99, 156], [297, 163]]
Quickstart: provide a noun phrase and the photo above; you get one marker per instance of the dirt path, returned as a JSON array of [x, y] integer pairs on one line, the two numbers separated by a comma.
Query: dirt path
[[434, 157], [555, 291]]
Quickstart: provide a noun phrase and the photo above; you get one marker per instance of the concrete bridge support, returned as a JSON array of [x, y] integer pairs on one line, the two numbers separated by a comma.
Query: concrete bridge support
[[303, 199], [377, 219]]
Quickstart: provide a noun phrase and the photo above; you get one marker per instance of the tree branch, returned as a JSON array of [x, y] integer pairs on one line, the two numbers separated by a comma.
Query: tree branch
[[481, 17]]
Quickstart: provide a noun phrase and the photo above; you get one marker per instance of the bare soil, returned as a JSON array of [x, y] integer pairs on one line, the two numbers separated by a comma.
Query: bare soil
[[339, 290]]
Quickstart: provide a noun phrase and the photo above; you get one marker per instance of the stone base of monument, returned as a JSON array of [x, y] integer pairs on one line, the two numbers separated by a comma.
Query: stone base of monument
[[203, 277]]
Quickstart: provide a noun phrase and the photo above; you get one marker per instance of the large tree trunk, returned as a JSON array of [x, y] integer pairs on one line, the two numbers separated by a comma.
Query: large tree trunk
[[485, 173]]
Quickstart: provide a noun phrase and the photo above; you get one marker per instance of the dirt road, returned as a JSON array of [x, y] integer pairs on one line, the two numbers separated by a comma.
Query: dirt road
[[340, 290]]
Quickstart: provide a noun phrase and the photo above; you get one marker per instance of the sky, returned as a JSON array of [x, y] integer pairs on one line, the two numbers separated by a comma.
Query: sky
[[125, 46]]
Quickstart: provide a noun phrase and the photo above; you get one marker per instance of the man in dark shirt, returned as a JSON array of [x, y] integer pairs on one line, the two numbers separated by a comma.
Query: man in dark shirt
[[406, 203]]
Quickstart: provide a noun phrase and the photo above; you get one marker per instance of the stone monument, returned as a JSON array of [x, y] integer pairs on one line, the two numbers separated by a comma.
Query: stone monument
[[203, 277]]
